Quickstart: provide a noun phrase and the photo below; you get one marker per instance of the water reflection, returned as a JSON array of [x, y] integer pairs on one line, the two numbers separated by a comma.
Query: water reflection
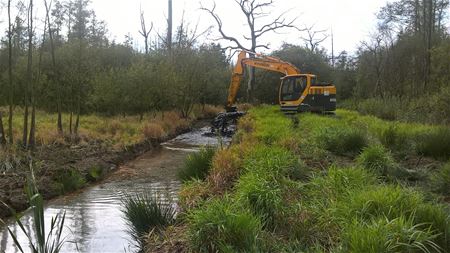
[[94, 220]]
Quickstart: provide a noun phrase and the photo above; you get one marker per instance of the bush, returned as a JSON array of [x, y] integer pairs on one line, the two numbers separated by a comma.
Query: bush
[[262, 194], [377, 159], [154, 131], [440, 181], [221, 226], [69, 180], [197, 165], [435, 143], [342, 139], [143, 212]]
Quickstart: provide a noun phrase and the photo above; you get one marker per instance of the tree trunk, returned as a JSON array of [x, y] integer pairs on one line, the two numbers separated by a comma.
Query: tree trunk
[[29, 82], [2, 131], [11, 87], [169, 27], [55, 76], [250, 84]]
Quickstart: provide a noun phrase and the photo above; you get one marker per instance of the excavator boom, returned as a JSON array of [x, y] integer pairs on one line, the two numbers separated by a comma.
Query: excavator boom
[[257, 61]]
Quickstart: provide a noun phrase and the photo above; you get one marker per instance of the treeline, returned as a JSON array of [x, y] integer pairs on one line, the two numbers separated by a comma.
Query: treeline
[[401, 72], [68, 64]]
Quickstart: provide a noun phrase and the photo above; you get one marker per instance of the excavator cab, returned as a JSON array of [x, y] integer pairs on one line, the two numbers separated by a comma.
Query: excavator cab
[[302, 93]]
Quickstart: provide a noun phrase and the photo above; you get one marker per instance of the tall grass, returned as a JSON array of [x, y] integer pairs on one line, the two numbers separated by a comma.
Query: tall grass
[[440, 181], [221, 226], [197, 165], [377, 159], [39, 241], [144, 212], [435, 143], [69, 180], [343, 139]]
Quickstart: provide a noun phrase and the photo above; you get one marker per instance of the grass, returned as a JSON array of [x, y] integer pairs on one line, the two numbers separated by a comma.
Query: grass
[[320, 186], [144, 212], [435, 143], [69, 180], [197, 165], [221, 226], [440, 181], [377, 159]]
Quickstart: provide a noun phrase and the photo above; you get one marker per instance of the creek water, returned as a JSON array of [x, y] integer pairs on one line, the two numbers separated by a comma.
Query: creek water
[[94, 220]]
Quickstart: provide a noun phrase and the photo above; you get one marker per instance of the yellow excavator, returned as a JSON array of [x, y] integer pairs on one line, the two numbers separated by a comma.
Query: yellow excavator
[[298, 92]]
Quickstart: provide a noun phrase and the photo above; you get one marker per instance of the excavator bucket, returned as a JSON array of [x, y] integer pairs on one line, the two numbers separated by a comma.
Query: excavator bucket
[[225, 123]]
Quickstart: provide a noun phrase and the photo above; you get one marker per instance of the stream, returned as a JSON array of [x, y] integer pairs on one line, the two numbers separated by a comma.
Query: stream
[[94, 221]]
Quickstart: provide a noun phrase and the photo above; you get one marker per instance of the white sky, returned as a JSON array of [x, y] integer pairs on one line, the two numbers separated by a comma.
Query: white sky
[[352, 20]]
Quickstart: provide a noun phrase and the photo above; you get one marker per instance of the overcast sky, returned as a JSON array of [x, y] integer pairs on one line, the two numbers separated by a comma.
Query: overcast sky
[[351, 20]]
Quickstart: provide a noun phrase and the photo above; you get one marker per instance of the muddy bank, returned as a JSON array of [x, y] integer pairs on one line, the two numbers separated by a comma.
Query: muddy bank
[[50, 161]]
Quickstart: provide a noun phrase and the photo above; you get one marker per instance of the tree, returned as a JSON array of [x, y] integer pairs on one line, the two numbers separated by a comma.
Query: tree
[[10, 78], [144, 32], [169, 26], [54, 75], [2, 131], [29, 81], [253, 10], [314, 37]]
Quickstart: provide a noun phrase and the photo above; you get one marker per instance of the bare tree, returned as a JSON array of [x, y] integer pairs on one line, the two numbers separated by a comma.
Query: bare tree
[[10, 81], [29, 82], [55, 75], [169, 26], [314, 37], [254, 11], [144, 32]]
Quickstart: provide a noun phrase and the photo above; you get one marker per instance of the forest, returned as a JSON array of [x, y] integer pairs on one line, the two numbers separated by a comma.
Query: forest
[[77, 107]]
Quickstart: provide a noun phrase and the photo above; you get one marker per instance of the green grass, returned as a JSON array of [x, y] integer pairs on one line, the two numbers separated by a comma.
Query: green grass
[[221, 226], [306, 193], [378, 160], [144, 212], [440, 181], [342, 139], [435, 143], [197, 165], [69, 180]]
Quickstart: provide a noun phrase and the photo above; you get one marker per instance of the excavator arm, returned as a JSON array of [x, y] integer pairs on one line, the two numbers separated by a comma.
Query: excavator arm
[[258, 61]]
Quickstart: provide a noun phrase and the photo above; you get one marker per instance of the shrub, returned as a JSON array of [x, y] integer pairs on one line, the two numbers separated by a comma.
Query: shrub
[[435, 143], [197, 165], [226, 166], [69, 180], [143, 212], [342, 139], [377, 159], [221, 226], [389, 235], [262, 194], [154, 131], [440, 181]]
